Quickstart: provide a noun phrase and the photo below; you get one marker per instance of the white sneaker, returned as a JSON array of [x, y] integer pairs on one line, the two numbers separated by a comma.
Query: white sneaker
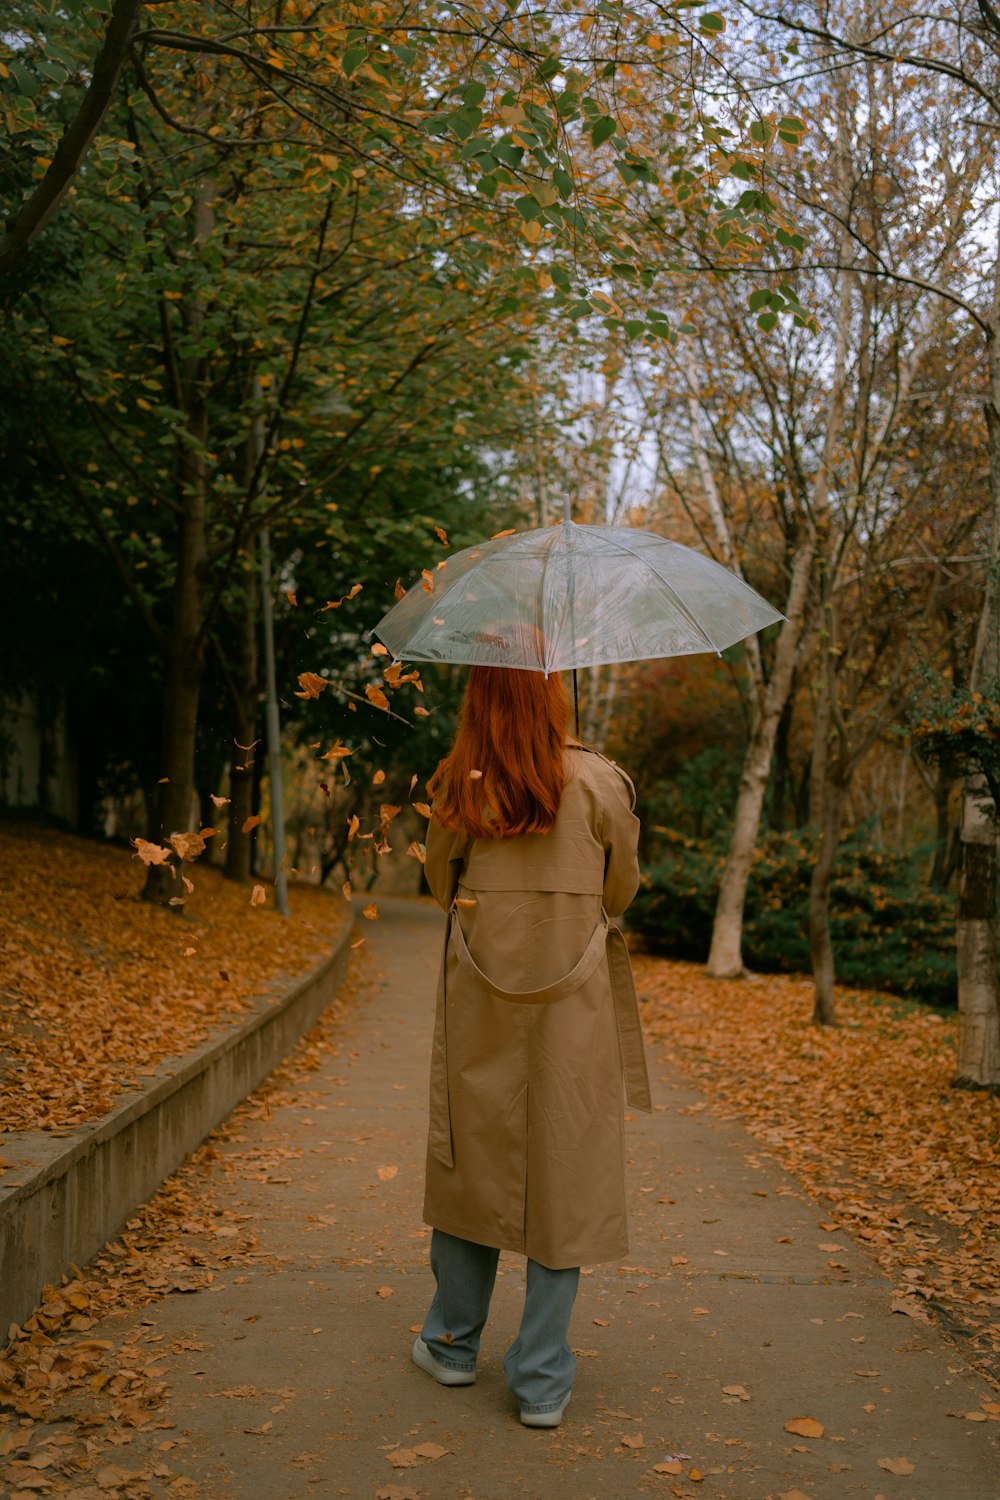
[[545, 1418], [423, 1357]]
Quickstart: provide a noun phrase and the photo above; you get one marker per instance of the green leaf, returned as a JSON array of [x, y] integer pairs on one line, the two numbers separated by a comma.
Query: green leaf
[[633, 327], [560, 277], [760, 298], [762, 131], [767, 321], [507, 152], [579, 309], [602, 130], [529, 208], [353, 58], [790, 241], [712, 23], [741, 170], [722, 234], [474, 93], [548, 68], [25, 80], [563, 183]]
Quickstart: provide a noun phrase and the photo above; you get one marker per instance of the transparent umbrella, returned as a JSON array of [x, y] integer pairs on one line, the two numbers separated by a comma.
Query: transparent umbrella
[[572, 596]]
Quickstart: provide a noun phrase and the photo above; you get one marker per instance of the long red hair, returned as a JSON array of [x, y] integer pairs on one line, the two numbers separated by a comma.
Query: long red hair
[[505, 774]]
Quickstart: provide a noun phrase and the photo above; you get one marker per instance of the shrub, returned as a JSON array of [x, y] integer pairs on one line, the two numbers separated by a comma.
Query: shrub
[[888, 931]]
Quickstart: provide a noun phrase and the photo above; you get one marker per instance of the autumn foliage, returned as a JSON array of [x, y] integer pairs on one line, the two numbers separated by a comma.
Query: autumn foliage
[[100, 988]]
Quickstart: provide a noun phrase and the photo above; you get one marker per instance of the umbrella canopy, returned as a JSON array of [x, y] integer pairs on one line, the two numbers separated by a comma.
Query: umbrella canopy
[[572, 596]]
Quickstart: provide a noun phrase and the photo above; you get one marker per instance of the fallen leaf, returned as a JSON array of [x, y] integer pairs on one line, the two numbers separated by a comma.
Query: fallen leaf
[[402, 1458], [794, 1495], [384, 1291], [386, 1174], [737, 1390], [633, 1440], [397, 1492], [430, 1451], [670, 1466], [806, 1427], [896, 1465]]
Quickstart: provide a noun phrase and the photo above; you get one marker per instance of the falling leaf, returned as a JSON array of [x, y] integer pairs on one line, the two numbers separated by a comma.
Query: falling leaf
[[250, 823], [311, 686], [422, 809], [423, 713], [466, 902], [258, 896], [375, 695], [417, 851], [386, 1174], [371, 912], [806, 1427], [399, 592], [219, 801], [475, 775], [427, 581], [149, 853], [896, 1465], [353, 827], [346, 890], [353, 593], [292, 599], [358, 943], [378, 649], [498, 534], [338, 751], [378, 778], [442, 536]]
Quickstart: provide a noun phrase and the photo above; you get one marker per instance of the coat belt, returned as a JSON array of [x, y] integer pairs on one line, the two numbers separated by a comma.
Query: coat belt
[[607, 941]]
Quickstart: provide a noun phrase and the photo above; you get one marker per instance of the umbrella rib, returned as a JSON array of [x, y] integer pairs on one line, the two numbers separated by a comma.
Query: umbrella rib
[[685, 610]]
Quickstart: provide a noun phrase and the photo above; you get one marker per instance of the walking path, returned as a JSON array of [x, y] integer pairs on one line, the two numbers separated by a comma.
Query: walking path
[[740, 1309]]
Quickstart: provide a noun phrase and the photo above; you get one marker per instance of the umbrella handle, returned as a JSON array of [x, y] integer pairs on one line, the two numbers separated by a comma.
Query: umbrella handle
[[576, 703]]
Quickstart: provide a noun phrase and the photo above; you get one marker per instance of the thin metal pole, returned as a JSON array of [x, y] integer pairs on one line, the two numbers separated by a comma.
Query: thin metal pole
[[273, 719]]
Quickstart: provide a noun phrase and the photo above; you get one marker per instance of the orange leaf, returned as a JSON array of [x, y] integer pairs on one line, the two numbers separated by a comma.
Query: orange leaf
[[371, 912], [806, 1427], [896, 1465], [417, 851], [250, 823], [292, 600], [150, 854], [258, 896], [378, 778], [311, 685], [442, 536], [422, 809], [376, 696], [378, 649], [498, 534], [399, 590]]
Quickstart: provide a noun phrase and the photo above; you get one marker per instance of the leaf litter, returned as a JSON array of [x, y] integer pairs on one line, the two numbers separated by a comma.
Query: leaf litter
[[140, 983], [864, 1115], [69, 1401]]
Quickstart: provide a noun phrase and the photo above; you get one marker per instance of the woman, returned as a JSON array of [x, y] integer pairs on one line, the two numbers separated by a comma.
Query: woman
[[531, 846]]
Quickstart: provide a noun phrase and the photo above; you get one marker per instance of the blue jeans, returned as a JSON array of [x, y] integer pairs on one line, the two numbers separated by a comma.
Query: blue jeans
[[539, 1363]]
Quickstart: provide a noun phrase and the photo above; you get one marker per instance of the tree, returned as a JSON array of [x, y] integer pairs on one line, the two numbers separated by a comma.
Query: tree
[[958, 44]]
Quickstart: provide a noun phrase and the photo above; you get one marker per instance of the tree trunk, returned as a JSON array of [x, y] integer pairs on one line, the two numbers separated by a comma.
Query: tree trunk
[[976, 928], [820, 945], [185, 644], [725, 959]]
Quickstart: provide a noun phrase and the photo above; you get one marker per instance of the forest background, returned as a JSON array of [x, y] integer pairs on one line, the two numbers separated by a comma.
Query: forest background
[[369, 283]]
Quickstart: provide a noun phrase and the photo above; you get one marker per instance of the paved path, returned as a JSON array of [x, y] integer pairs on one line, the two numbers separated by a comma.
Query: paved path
[[731, 1282]]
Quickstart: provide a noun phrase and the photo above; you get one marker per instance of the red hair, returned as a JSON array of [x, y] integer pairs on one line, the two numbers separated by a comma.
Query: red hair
[[505, 774]]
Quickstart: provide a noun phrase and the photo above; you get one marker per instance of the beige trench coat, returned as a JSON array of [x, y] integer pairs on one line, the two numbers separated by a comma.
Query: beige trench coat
[[526, 1148]]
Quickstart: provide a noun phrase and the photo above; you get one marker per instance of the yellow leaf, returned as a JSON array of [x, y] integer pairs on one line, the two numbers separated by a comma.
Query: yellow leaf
[[371, 912], [58, 339], [258, 896]]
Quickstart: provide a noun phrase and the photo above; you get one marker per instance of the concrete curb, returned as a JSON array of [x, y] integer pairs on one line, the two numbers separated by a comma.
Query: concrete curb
[[70, 1199]]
